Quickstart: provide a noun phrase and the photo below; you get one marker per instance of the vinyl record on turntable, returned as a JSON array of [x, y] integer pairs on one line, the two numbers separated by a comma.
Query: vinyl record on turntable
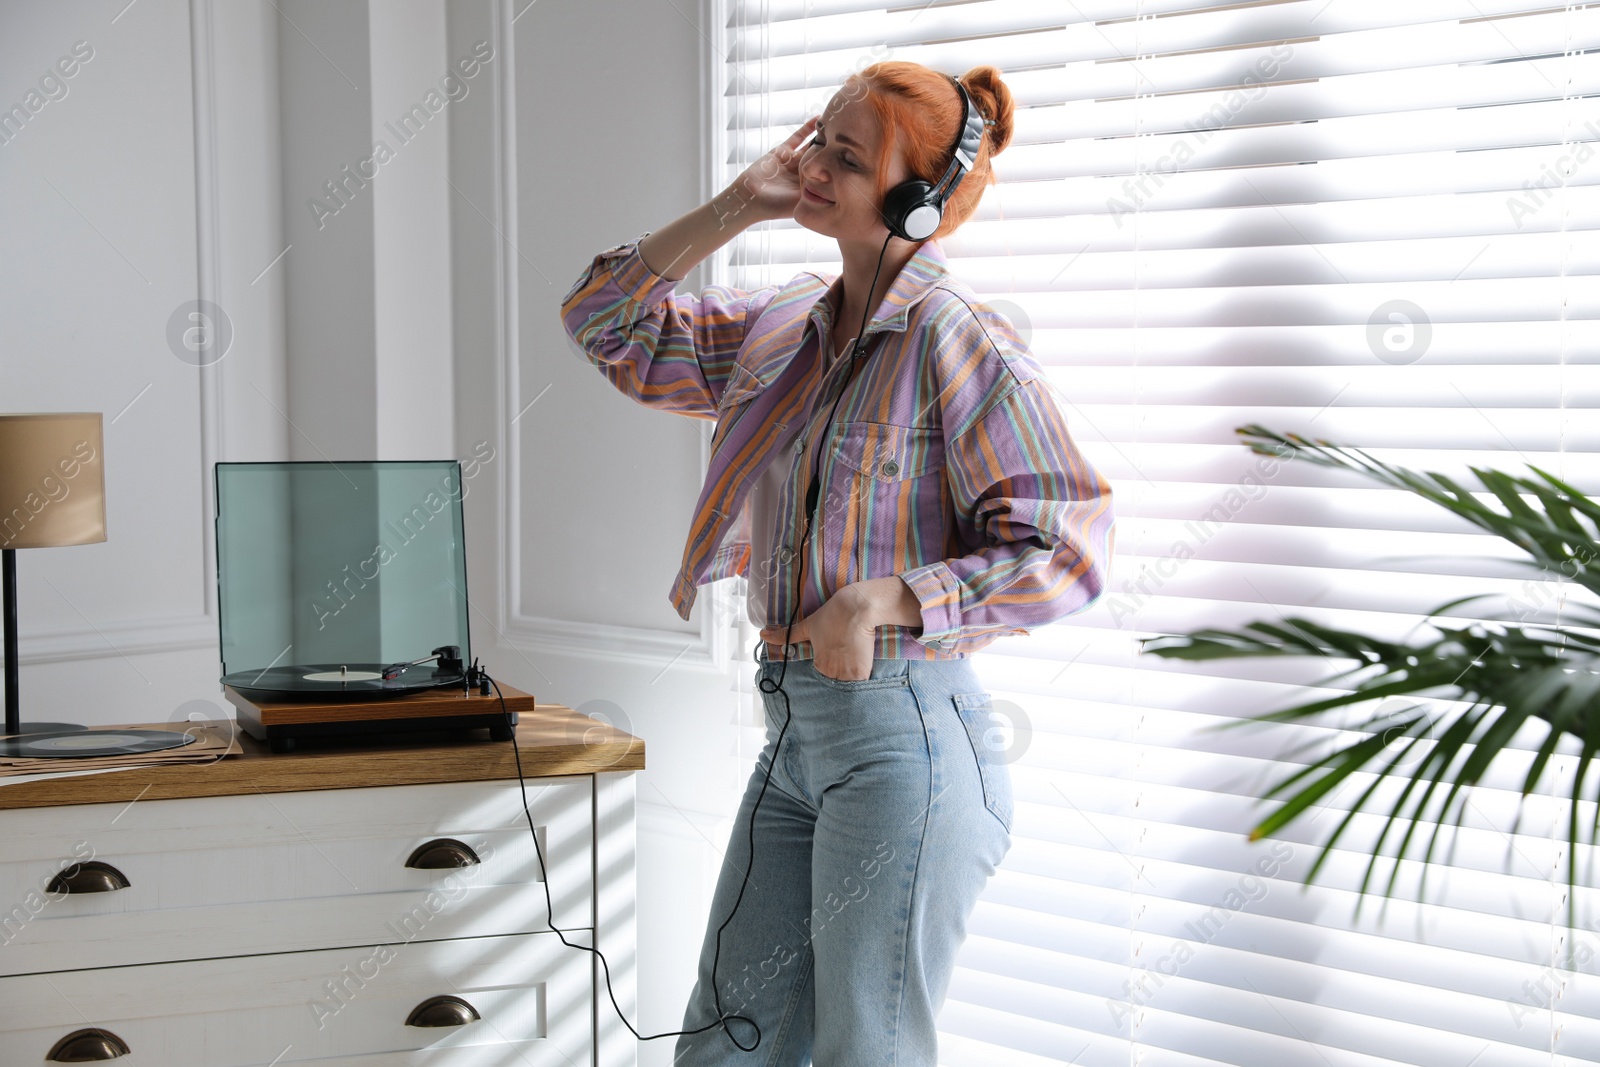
[[349, 681], [85, 745]]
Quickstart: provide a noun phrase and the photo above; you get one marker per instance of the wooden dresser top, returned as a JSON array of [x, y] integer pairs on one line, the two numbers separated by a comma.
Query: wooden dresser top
[[553, 739]]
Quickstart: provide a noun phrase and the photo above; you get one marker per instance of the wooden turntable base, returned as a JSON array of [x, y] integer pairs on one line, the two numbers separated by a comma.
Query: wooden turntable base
[[281, 724]]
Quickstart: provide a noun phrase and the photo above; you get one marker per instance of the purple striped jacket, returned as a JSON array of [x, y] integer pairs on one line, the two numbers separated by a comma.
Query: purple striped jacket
[[949, 462]]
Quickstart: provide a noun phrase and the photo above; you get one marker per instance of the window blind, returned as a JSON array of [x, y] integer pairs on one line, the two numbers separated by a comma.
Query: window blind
[[1372, 222]]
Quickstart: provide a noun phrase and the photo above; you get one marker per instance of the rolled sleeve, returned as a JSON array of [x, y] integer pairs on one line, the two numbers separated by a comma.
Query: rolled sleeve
[[939, 594], [630, 274], [668, 350], [624, 268]]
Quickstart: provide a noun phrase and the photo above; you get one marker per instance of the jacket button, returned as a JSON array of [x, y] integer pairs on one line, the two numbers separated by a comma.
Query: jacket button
[[785, 555], [890, 469]]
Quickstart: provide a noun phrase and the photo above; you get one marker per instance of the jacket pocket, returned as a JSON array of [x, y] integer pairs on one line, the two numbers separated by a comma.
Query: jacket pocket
[[886, 491], [984, 734], [887, 453]]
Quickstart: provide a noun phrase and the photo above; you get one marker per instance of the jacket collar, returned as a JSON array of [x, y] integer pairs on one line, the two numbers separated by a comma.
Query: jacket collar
[[920, 276]]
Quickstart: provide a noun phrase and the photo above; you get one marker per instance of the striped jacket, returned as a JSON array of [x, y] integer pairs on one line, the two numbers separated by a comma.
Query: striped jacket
[[948, 463]]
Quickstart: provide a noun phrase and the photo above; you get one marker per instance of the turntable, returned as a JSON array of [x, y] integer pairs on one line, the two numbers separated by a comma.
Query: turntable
[[342, 595]]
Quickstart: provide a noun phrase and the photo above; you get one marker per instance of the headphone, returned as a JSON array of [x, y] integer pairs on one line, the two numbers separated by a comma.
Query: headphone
[[913, 210]]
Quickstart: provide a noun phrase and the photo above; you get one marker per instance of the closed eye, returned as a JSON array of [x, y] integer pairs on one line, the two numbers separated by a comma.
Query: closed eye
[[822, 142]]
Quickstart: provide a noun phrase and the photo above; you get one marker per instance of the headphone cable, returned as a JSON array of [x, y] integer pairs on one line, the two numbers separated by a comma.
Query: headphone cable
[[769, 685]]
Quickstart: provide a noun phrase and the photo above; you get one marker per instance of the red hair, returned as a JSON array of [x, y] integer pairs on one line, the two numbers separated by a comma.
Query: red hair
[[919, 109]]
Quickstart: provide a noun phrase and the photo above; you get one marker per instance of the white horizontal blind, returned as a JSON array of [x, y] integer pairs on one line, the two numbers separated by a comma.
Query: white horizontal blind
[[1372, 221]]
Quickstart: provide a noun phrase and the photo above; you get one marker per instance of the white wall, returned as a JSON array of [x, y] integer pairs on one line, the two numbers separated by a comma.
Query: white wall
[[111, 207], [419, 320], [577, 535], [411, 232]]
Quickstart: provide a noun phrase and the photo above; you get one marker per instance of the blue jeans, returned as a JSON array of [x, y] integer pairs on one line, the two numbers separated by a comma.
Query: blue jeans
[[885, 816]]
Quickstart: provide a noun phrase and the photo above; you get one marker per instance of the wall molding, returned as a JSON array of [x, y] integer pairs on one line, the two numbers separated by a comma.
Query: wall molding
[[710, 648], [507, 320], [149, 636], [128, 637], [633, 644], [208, 275]]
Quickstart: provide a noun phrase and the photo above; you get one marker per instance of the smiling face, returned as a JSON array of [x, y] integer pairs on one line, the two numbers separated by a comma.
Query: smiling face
[[839, 171]]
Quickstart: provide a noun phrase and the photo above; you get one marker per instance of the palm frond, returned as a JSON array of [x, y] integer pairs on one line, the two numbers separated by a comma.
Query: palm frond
[[1560, 534], [1505, 673]]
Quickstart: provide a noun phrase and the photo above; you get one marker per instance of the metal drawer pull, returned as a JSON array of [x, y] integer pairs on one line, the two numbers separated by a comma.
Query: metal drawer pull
[[443, 1011], [444, 852], [90, 877], [88, 1046]]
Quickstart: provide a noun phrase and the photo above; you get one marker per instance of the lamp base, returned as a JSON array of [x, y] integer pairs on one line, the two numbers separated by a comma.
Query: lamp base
[[8, 617]]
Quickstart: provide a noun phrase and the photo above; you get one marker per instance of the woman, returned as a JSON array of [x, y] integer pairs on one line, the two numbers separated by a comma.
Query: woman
[[911, 493]]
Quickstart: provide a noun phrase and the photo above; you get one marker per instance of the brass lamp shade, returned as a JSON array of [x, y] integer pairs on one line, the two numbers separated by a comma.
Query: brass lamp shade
[[52, 480]]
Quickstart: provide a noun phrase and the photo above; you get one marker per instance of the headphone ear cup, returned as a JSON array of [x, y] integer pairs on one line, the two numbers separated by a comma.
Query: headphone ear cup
[[905, 209]]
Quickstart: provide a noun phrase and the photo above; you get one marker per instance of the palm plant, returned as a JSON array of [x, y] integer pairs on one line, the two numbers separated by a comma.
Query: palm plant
[[1505, 671]]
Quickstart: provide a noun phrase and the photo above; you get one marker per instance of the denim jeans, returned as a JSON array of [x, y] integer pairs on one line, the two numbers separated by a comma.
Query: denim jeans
[[885, 816]]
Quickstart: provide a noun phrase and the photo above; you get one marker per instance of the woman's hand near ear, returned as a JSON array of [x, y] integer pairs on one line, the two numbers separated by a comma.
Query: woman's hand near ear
[[770, 187]]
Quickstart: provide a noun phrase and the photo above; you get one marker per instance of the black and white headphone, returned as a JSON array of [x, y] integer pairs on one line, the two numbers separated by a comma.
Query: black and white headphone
[[913, 210]]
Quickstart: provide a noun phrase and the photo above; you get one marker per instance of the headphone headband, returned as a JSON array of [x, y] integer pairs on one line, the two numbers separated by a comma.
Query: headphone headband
[[964, 153], [913, 210]]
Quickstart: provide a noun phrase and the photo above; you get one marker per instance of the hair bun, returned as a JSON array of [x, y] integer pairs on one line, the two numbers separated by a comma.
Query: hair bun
[[994, 100]]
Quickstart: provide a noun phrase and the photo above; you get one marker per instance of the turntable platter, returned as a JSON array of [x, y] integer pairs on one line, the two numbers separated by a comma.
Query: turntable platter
[[347, 681]]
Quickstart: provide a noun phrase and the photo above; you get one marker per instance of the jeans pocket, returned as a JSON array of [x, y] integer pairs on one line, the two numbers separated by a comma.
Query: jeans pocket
[[886, 674], [984, 732]]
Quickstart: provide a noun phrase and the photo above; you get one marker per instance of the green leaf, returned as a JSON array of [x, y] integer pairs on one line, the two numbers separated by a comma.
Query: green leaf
[[1505, 673]]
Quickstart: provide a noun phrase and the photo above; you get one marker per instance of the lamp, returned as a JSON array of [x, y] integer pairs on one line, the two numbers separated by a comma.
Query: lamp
[[52, 494]]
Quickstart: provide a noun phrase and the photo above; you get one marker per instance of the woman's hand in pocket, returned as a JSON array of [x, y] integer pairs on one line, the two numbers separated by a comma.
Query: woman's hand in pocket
[[843, 629], [840, 633]]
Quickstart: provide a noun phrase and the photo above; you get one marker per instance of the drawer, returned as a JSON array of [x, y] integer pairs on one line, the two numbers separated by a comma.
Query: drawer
[[242, 875], [337, 1009]]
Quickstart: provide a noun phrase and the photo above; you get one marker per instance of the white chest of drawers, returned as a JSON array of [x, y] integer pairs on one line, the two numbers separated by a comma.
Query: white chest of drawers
[[286, 909]]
